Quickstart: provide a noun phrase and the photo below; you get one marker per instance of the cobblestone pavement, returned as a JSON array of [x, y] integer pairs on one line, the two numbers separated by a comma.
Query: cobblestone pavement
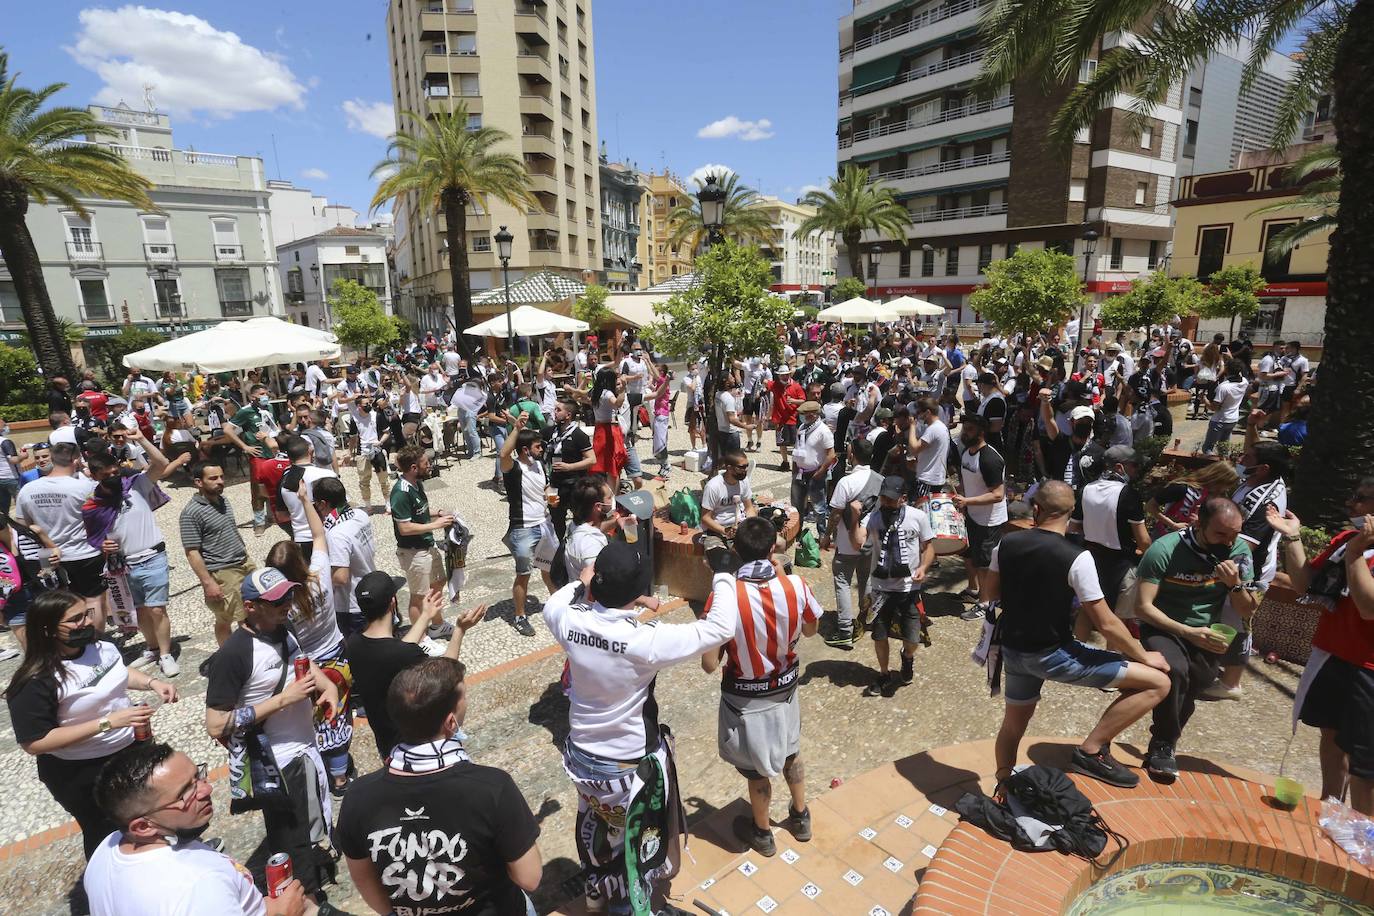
[[517, 718]]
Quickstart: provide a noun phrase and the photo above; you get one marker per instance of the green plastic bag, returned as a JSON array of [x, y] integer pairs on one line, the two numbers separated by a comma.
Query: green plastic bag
[[808, 551], [683, 508]]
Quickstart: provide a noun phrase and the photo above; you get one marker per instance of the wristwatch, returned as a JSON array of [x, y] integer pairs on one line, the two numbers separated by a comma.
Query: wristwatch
[[105, 725]]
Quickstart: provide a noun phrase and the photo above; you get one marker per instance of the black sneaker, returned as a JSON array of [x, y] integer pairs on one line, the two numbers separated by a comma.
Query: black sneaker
[[975, 612], [1102, 766], [888, 685], [1160, 763], [761, 841], [522, 626], [799, 824], [842, 638], [908, 669]]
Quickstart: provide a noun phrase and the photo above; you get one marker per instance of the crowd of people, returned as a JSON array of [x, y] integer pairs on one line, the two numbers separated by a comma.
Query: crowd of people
[[1024, 453]]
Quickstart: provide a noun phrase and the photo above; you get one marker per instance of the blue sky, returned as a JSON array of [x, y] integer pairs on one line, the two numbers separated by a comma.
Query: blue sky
[[750, 84]]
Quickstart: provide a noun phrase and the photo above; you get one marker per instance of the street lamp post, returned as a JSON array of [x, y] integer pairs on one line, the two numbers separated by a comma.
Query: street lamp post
[[315, 279], [712, 198], [1089, 238], [503, 246], [875, 255]]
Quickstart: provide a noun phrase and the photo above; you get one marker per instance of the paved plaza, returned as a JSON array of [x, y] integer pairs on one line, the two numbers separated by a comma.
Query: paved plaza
[[518, 716]]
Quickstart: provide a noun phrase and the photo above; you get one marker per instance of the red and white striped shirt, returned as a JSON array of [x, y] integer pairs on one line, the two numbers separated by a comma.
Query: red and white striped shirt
[[768, 624]]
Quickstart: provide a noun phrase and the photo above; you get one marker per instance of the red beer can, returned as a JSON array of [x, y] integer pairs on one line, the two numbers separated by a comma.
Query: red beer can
[[302, 666], [279, 874], [143, 731]]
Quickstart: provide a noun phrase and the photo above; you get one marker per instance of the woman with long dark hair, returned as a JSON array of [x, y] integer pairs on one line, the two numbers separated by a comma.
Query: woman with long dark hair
[[70, 707], [608, 439], [313, 622]]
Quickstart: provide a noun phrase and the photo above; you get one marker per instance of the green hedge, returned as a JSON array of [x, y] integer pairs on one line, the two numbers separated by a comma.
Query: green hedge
[[13, 413]]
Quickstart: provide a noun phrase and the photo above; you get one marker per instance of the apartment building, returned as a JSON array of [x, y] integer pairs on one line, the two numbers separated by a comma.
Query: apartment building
[[206, 254], [663, 259], [527, 68], [309, 267], [799, 264], [974, 169], [623, 188], [1236, 119]]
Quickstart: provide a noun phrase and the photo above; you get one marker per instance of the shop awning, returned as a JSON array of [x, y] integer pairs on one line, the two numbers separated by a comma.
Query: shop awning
[[875, 74], [885, 11]]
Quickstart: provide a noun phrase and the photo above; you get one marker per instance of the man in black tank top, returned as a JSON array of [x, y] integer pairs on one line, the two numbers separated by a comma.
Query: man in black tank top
[[1034, 630]]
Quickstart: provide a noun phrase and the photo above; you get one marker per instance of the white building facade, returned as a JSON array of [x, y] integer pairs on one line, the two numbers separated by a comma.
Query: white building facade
[[309, 267], [802, 266]]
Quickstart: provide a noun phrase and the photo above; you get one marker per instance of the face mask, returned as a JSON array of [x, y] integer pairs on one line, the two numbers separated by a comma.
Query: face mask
[[1357, 522], [888, 515], [182, 834], [1243, 472], [264, 402], [81, 637]]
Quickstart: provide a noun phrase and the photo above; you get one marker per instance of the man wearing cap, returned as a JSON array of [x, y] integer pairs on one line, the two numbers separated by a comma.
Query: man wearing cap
[[254, 699], [811, 459], [1070, 454], [788, 395], [903, 546], [1111, 518], [612, 717]]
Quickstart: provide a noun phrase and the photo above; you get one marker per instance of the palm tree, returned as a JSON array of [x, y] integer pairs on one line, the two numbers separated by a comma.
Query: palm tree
[[449, 166], [1337, 39], [42, 158], [1317, 175], [851, 207], [744, 222]]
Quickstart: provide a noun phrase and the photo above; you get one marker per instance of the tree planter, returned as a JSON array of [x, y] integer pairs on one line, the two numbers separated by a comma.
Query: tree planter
[[1284, 626]]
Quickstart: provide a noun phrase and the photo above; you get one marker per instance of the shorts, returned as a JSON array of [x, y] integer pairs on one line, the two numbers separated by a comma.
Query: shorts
[[148, 581], [1269, 401], [229, 609], [720, 554], [981, 540], [522, 543], [1074, 663], [16, 608], [86, 577], [787, 434], [751, 405], [691, 415], [423, 568], [1341, 697], [757, 735], [897, 614]]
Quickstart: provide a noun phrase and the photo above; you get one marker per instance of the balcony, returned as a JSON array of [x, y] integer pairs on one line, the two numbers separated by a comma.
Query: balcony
[[161, 253], [545, 257], [539, 181], [240, 308], [228, 253], [435, 20], [542, 219], [970, 170], [888, 37], [530, 18], [90, 311], [534, 65], [183, 167], [956, 70], [453, 62], [914, 131], [175, 309], [443, 104], [960, 220], [86, 252], [536, 105]]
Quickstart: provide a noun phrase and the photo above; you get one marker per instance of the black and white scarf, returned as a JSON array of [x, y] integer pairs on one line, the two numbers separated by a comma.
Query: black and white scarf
[[430, 757], [757, 571], [894, 546]]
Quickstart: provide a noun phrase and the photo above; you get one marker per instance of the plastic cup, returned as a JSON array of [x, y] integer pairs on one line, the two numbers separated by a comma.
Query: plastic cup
[[1287, 791], [1225, 631]]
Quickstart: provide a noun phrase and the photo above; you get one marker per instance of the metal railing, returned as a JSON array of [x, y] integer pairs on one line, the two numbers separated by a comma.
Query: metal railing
[[95, 311], [236, 308], [937, 168], [158, 154], [934, 215], [951, 114], [170, 310], [929, 17], [530, 9], [958, 60], [162, 253], [85, 251], [228, 252], [127, 116]]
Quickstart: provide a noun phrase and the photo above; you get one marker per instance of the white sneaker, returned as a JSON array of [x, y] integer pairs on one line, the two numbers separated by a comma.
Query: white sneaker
[[1220, 691], [8, 653], [145, 659], [430, 647], [168, 666]]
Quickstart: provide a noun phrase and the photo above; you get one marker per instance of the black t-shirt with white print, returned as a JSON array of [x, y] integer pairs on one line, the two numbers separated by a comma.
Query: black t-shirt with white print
[[440, 842]]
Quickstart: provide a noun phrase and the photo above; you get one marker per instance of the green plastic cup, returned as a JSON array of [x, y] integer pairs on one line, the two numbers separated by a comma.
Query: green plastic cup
[[1287, 791], [1227, 632]]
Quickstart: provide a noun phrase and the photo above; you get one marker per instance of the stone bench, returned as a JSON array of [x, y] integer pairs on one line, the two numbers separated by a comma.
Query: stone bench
[[680, 558]]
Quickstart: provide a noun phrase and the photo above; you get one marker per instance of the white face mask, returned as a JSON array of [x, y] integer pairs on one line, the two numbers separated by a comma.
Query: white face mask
[[1357, 522]]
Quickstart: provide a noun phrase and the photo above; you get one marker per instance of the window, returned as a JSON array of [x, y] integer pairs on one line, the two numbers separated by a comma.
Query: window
[[1142, 188], [1190, 138], [1275, 268], [904, 263], [81, 241], [235, 293], [168, 296], [984, 257], [463, 43], [1152, 259], [1063, 246], [1147, 137], [157, 238], [475, 121], [928, 262], [481, 243], [295, 283], [1087, 69], [10, 310], [1116, 254], [95, 305], [468, 85], [226, 234], [951, 262], [1211, 251], [351, 249], [1011, 248], [1078, 189]]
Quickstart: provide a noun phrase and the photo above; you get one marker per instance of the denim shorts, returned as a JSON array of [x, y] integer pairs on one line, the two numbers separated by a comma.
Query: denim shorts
[[1074, 663], [17, 606], [522, 542], [148, 581]]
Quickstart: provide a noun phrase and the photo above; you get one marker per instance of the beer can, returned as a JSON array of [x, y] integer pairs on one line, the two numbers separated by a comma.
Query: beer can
[[302, 666], [142, 731], [279, 874]]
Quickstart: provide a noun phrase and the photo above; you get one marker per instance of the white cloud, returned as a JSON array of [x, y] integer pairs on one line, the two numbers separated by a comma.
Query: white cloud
[[731, 126], [720, 171], [375, 118], [808, 188], [318, 174], [191, 65]]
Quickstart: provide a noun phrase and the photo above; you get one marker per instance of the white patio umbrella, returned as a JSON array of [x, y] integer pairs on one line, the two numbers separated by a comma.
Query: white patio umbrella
[[528, 321], [910, 305], [857, 311], [237, 345]]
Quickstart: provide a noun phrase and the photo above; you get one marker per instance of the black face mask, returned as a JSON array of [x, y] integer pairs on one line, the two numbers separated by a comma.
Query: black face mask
[[888, 515], [81, 637]]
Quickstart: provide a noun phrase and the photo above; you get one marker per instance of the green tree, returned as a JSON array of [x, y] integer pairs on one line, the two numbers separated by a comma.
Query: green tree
[[591, 307], [107, 353], [1337, 41], [849, 288], [851, 206], [1152, 301], [1031, 291], [744, 221], [359, 319], [1317, 178], [728, 313], [49, 155], [20, 382], [441, 164], [1232, 291]]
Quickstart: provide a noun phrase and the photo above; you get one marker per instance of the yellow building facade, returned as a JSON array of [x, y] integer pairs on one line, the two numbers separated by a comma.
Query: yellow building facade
[[661, 258]]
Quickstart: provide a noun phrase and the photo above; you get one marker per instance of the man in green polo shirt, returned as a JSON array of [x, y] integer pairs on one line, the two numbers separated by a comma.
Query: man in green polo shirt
[[246, 430], [1183, 581], [421, 562]]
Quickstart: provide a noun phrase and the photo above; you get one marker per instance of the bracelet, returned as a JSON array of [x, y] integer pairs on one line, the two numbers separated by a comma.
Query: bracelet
[[1289, 538]]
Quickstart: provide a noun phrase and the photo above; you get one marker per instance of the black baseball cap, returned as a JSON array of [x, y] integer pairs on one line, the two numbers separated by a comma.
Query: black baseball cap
[[376, 589], [894, 486], [615, 577]]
